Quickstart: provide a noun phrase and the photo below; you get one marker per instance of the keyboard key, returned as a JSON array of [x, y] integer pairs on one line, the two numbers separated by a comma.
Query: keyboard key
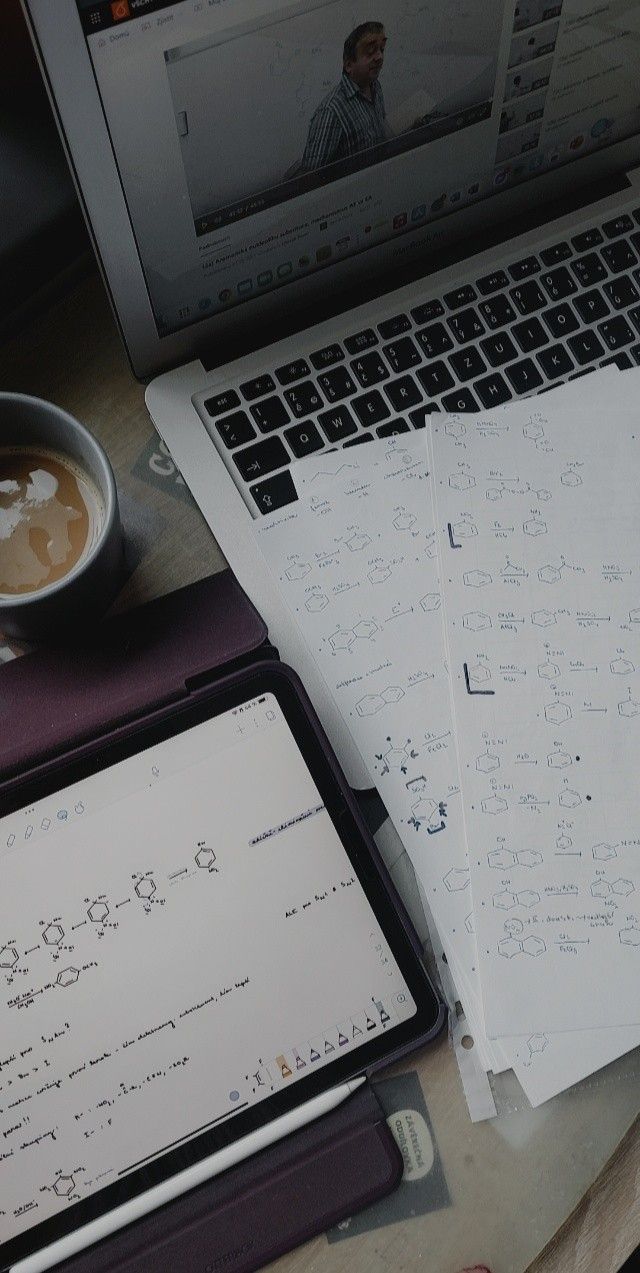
[[588, 239], [553, 256], [370, 370], [304, 400], [295, 370], [619, 256], [636, 213], [634, 315], [555, 362], [360, 437], [635, 239], [635, 351], [528, 298], [525, 268], [427, 312], [337, 424], [435, 340], [419, 418], [264, 457], [524, 376], [622, 361], [466, 326], [588, 269], [270, 414], [586, 347], [621, 292], [402, 355], [461, 400], [303, 439], [435, 379], [336, 384], [620, 225], [498, 349], [394, 326], [370, 408], [616, 332], [327, 357], [392, 427], [492, 390], [460, 296], [529, 335], [236, 429], [492, 282], [403, 393], [467, 363], [274, 493], [361, 341], [591, 306], [558, 284], [257, 388], [560, 320], [221, 402], [497, 312]]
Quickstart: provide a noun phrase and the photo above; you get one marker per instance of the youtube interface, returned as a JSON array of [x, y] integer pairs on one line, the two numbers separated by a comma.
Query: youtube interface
[[258, 142]]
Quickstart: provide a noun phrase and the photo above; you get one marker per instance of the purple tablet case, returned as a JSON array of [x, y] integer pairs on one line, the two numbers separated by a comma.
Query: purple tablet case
[[70, 701]]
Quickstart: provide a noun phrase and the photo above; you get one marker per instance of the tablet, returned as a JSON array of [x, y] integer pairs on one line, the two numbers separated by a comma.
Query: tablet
[[194, 939]]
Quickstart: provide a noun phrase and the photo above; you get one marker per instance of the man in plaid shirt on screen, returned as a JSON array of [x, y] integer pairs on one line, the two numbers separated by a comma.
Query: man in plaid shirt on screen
[[352, 117]]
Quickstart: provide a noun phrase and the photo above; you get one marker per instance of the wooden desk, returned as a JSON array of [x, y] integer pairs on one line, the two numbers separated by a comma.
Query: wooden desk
[[555, 1190]]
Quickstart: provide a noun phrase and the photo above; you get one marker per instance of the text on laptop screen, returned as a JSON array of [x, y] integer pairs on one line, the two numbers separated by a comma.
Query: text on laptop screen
[[183, 935], [259, 141]]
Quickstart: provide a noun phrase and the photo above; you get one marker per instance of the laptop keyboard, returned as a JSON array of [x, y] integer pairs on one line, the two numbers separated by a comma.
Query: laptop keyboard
[[551, 316]]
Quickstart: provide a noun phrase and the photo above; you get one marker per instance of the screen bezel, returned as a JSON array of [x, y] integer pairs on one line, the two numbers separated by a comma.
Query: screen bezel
[[166, 724], [66, 66]]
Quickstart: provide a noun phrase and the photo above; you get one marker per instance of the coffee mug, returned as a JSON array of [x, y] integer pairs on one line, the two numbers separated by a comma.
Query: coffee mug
[[60, 532]]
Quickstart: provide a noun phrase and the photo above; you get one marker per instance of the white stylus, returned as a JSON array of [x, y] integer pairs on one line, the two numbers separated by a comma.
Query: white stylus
[[125, 1214]]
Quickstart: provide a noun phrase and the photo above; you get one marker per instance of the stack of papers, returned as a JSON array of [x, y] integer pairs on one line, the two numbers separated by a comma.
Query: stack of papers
[[471, 595]]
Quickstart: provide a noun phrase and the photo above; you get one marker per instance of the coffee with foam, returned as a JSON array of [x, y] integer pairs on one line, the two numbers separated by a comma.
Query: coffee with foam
[[51, 515]]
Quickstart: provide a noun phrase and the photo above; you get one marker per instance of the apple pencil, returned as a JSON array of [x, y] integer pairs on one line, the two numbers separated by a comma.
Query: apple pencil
[[216, 1163]]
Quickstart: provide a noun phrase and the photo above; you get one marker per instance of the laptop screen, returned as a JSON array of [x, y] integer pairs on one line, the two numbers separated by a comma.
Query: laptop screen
[[258, 141]]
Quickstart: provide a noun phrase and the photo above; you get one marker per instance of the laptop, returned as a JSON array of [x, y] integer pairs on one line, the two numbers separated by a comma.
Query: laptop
[[320, 221]]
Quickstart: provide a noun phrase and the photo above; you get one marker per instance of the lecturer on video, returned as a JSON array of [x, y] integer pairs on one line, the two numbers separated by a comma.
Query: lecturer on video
[[352, 117]]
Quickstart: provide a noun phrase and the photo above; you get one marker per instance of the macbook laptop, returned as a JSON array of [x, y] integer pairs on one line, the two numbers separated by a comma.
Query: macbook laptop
[[320, 221]]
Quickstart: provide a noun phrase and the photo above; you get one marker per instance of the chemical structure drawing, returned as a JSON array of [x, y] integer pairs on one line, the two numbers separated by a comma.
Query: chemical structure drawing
[[513, 945], [534, 526], [67, 977], [431, 601], [605, 888], [569, 799], [396, 757], [8, 957], [63, 1186], [316, 603], [456, 879], [379, 574], [145, 887], [455, 429], [98, 912], [343, 638], [622, 667], [551, 574], [468, 923], [299, 570], [429, 813], [475, 621], [557, 713], [477, 578], [461, 481], [494, 805], [570, 478], [604, 852], [372, 703], [479, 674], [548, 671], [630, 936], [543, 618], [404, 520], [630, 707], [465, 528], [537, 1043], [506, 900], [205, 858], [507, 859], [53, 934], [357, 541], [634, 615], [487, 763], [563, 842], [533, 430]]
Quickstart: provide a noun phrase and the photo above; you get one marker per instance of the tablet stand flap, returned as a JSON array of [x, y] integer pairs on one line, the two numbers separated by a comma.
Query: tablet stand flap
[[56, 698], [266, 1205]]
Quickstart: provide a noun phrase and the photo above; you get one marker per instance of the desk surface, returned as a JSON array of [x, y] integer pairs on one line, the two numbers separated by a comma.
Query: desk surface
[[554, 1190]]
